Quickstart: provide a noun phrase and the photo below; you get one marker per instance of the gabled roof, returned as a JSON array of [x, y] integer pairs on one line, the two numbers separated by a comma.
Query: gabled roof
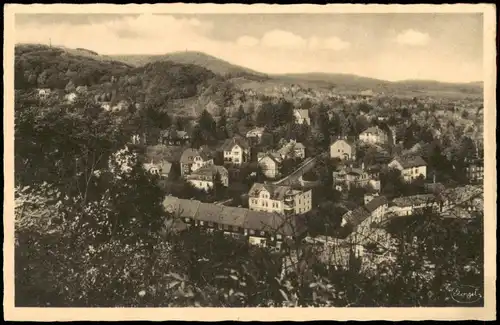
[[209, 212], [357, 216], [407, 201], [256, 130], [347, 141], [273, 156], [208, 171], [230, 143], [232, 216], [303, 113], [276, 192], [188, 155], [375, 130], [410, 162], [375, 203], [188, 208]]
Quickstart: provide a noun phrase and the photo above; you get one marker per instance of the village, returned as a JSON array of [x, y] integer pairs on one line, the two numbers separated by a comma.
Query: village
[[269, 195]]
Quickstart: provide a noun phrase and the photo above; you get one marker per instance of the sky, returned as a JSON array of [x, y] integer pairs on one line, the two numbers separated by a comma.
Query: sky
[[393, 46]]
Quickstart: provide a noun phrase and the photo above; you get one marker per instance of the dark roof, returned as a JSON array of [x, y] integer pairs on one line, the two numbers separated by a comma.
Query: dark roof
[[208, 171], [375, 203], [375, 130], [232, 216], [357, 216], [277, 192], [410, 162], [412, 200], [188, 155], [230, 143]]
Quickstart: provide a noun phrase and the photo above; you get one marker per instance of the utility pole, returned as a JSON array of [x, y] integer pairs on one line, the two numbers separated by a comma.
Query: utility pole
[[50, 42]]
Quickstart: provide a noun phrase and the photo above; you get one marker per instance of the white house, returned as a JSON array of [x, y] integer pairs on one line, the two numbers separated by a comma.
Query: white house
[[43, 93], [71, 97], [374, 135], [236, 151], [255, 134], [343, 150], [411, 167], [302, 116], [193, 159], [279, 199], [292, 149], [204, 177]]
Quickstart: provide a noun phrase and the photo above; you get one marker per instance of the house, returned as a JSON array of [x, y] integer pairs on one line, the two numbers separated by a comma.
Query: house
[[269, 163], [374, 135], [377, 206], [81, 89], [138, 138], [343, 149], [411, 167], [70, 98], [193, 159], [474, 170], [174, 137], [279, 199], [236, 151], [106, 106], [410, 205], [204, 177], [349, 177], [255, 135], [44, 93], [257, 227], [161, 169], [121, 105], [292, 149], [302, 116]]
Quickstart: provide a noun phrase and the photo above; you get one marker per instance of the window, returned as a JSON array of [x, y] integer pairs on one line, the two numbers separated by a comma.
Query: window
[[262, 233], [201, 223], [186, 219], [252, 232], [278, 236]]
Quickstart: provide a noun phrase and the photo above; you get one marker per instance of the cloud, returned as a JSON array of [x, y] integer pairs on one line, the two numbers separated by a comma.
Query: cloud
[[412, 37], [280, 39], [247, 41]]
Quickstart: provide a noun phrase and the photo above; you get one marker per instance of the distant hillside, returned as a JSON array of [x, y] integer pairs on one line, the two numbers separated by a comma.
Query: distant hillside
[[358, 83], [54, 67], [164, 85], [197, 58]]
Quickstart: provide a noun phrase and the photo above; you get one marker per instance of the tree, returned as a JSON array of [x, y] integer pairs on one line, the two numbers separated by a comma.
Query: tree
[[222, 130]]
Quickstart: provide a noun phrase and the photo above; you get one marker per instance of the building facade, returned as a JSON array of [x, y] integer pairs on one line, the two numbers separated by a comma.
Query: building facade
[[374, 135], [302, 116], [236, 151], [193, 159], [204, 177], [411, 167], [279, 199], [343, 150]]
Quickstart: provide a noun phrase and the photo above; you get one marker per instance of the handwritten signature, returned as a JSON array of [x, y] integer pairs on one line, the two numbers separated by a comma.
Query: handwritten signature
[[466, 294]]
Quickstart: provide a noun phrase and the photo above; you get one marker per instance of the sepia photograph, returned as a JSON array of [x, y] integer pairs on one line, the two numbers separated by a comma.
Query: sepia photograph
[[224, 157]]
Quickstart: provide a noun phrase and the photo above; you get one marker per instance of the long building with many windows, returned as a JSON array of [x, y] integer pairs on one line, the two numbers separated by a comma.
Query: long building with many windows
[[258, 227]]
